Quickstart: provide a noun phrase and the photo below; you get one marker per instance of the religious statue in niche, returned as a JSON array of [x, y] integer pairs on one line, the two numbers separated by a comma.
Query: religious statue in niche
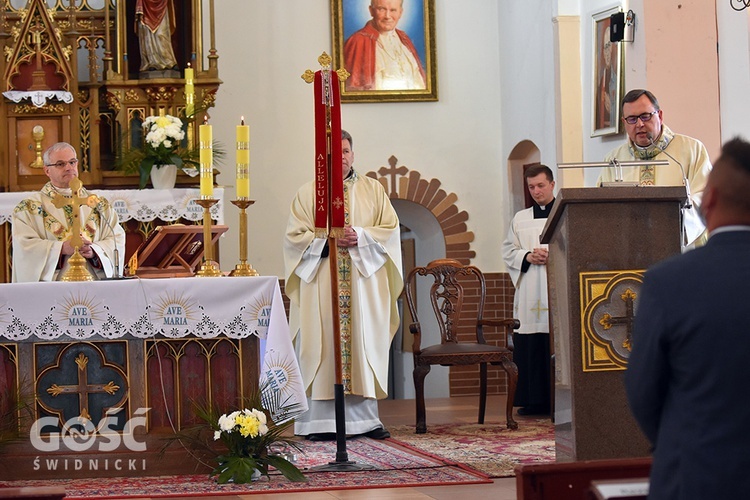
[[155, 23]]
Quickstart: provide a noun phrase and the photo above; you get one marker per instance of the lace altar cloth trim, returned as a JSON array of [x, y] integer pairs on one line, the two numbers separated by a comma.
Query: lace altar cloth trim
[[233, 307], [39, 97], [142, 205]]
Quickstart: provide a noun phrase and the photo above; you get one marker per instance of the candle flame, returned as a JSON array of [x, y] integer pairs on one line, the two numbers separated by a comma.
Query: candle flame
[[242, 120], [205, 119], [188, 65]]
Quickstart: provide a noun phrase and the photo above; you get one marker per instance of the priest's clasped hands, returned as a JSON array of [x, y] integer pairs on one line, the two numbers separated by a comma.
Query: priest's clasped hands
[[350, 238], [86, 251], [538, 256]]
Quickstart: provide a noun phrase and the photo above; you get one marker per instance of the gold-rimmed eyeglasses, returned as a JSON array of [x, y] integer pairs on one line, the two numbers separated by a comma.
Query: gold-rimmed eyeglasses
[[63, 164]]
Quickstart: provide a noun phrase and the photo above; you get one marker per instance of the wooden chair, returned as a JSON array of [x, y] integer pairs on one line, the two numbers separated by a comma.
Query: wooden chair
[[448, 300]]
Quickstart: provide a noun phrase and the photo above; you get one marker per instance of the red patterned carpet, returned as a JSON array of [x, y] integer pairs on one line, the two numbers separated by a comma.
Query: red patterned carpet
[[490, 448], [393, 465]]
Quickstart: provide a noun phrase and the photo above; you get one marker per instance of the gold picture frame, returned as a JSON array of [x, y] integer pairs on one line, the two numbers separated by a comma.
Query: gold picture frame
[[606, 64], [354, 32]]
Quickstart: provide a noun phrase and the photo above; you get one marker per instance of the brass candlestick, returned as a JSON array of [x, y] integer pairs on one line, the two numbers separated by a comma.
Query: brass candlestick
[[243, 268], [208, 269]]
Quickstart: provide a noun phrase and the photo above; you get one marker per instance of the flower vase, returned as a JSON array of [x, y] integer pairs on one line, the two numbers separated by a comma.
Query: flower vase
[[163, 176]]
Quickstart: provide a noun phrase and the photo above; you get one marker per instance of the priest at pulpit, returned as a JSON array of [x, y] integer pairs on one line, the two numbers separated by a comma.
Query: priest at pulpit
[[42, 225]]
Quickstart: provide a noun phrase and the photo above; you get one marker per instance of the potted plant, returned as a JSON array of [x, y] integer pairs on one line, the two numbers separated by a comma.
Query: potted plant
[[250, 440], [162, 153]]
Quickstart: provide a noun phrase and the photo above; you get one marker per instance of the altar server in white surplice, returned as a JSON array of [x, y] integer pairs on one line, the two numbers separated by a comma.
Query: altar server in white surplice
[[526, 260], [370, 281], [41, 230]]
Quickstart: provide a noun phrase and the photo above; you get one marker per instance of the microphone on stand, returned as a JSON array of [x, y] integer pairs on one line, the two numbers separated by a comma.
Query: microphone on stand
[[689, 204], [105, 221]]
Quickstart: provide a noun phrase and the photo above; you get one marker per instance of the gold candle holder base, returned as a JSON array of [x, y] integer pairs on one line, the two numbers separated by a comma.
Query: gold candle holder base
[[209, 268], [243, 268], [77, 270]]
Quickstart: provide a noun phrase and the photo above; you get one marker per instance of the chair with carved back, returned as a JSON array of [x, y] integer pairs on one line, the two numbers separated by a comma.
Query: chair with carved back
[[454, 309]]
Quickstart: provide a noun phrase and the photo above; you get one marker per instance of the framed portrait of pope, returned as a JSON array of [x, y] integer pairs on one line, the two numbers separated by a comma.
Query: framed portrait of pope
[[388, 49]]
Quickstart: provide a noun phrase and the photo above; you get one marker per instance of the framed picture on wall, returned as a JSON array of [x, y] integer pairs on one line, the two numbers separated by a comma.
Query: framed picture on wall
[[388, 48], [607, 77]]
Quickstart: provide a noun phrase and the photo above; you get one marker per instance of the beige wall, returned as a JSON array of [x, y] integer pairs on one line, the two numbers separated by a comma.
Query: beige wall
[[682, 67]]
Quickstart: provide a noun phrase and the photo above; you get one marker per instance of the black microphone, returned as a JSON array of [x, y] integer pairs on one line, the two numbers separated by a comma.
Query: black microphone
[[689, 204]]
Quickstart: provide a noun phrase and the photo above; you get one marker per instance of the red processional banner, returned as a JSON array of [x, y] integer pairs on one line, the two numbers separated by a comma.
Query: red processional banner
[[329, 181]]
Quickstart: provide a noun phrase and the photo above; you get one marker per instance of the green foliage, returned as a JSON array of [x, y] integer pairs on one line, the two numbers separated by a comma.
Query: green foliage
[[246, 448], [162, 146]]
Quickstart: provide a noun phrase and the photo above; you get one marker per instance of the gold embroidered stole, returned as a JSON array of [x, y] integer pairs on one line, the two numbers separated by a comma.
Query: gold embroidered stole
[[345, 297]]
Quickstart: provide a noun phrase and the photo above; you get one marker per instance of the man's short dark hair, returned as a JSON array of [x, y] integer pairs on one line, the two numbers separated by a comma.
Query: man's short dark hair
[[535, 170], [636, 94], [737, 151]]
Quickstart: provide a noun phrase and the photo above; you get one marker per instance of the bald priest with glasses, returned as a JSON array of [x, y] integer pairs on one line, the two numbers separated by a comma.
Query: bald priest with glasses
[[42, 224], [650, 139]]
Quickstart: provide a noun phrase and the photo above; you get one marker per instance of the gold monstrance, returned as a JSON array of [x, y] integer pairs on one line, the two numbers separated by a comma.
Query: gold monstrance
[[77, 270]]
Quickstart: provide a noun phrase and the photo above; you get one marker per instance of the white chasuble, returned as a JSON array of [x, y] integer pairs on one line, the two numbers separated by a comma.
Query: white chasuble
[[530, 304], [375, 278], [39, 230]]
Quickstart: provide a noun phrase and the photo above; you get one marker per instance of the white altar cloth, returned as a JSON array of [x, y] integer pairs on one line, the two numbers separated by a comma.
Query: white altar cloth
[[140, 204], [233, 307]]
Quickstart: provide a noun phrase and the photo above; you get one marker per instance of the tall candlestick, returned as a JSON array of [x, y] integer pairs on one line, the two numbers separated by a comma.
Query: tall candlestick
[[243, 160], [205, 134], [189, 92]]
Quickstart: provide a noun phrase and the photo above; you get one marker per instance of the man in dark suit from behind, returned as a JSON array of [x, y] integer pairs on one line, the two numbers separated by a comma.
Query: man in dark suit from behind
[[688, 378]]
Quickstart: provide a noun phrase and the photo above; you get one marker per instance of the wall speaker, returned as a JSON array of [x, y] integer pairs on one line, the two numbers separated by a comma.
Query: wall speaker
[[617, 27]]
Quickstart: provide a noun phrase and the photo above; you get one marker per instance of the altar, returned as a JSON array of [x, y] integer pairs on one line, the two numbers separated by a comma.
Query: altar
[[131, 357], [139, 211]]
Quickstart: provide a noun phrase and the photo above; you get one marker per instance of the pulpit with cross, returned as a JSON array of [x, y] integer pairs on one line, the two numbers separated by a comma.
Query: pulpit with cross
[[601, 241], [76, 270]]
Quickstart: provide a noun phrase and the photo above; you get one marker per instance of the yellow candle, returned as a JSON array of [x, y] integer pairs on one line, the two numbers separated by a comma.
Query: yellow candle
[[205, 135], [243, 160], [189, 91]]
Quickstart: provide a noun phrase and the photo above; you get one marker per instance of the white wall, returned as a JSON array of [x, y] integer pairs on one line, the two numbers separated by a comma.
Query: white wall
[[263, 49]]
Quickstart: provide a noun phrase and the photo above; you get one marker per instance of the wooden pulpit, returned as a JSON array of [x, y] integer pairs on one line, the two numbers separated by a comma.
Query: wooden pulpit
[[601, 241]]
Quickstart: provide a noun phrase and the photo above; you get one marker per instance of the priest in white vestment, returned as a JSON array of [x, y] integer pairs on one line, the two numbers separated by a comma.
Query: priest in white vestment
[[650, 139], [526, 260], [370, 281], [41, 231]]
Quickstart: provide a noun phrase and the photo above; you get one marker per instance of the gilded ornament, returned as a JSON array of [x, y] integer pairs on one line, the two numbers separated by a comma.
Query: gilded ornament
[[343, 74], [30, 109], [324, 60], [209, 98], [131, 95], [308, 76], [81, 360], [113, 102]]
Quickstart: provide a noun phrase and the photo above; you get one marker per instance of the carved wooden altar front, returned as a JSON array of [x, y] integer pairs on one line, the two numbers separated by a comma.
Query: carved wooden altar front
[[72, 73]]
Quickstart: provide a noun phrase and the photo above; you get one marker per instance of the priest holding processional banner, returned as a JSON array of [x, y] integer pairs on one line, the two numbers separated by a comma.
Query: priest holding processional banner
[[343, 276]]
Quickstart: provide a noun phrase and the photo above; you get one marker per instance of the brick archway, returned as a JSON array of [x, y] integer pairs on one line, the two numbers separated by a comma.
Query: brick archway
[[401, 183]]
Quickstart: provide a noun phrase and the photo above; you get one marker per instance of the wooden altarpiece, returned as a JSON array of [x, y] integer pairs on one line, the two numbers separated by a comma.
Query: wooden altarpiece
[[90, 51], [72, 72]]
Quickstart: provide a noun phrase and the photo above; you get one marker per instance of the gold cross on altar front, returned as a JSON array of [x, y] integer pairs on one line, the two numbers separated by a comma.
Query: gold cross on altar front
[[83, 388], [76, 201]]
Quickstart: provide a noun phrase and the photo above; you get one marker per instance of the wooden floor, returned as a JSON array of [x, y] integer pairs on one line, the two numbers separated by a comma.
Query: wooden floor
[[397, 412]]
